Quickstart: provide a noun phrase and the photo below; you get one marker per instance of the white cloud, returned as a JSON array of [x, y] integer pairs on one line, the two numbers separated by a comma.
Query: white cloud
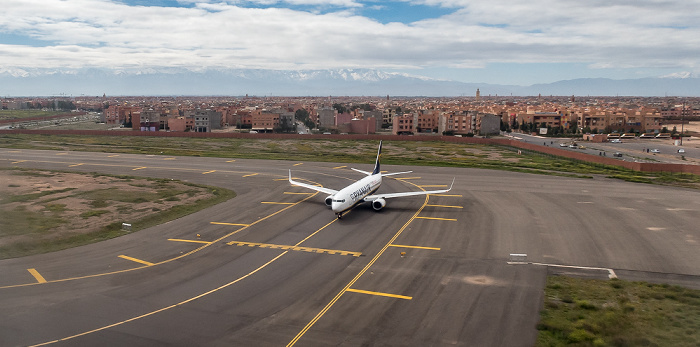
[[102, 33]]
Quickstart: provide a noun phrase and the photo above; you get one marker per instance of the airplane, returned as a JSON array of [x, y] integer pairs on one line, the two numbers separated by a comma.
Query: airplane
[[363, 190]]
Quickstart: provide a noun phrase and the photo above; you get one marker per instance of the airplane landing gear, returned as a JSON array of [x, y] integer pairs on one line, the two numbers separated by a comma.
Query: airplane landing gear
[[340, 215]]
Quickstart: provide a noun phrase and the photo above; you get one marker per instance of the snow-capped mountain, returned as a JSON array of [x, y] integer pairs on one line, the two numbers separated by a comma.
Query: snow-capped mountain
[[338, 82]]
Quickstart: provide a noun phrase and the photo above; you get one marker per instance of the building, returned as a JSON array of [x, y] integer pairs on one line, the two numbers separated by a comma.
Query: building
[[403, 125]]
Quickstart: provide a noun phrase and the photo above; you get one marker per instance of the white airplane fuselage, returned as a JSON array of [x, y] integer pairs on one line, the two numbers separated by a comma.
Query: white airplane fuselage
[[355, 193]]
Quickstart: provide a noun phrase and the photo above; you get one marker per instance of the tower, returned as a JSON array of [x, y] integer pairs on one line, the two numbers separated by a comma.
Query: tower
[[478, 95]]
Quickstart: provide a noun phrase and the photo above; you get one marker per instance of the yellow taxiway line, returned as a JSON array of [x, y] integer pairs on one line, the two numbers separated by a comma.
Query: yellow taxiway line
[[208, 172], [193, 241], [253, 174], [233, 224], [434, 218], [37, 275], [380, 294], [446, 206], [136, 260], [416, 247]]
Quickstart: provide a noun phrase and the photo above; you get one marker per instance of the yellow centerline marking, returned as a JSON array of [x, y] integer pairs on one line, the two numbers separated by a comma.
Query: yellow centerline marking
[[434, 218], [253, 174], [168, 158], [208, 172], [380, 294], [297, 164], [198, 296], [277, 203], [193, 241], [340, 167], [136, 260], [243, 227], [234, 224], [417, 247], [79, 164], [37, 275], [231, 161], [113, 155], [357, 277], [19, 161], [139, 168], [293, 248], [61, 153], [447, 206]]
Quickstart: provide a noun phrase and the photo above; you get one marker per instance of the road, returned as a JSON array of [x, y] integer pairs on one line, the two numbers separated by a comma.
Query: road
[[274, 267], [631, 149]]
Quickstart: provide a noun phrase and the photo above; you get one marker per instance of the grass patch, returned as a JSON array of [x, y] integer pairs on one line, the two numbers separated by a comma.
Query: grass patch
[[32, 230], [586, 312], [32, 196], [422, 153]]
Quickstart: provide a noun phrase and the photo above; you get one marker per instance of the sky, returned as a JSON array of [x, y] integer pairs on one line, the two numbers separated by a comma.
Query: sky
[[479, 41]]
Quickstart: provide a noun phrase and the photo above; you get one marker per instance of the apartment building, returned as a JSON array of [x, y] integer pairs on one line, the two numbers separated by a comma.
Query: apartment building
[[403, 125]]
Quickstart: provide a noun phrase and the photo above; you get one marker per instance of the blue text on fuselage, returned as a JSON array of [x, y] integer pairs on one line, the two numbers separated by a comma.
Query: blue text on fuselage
[[360, 192]]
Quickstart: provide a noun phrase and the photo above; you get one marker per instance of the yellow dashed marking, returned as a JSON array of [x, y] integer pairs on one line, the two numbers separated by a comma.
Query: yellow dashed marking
[[231, 161], [380, 294], [193, 241], [340, 167], [446, 206], [297, 164], [113, 155], [74, 165], [294, 248], [37, 275], [136, 260], [208, 172], [433, 218], [168, 158], [416, 247], [253, 174], [19, 161], [139, 168], [234, 224]]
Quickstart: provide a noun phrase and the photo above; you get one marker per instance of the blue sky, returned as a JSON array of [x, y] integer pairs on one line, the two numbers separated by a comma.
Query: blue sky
[[481, 41]]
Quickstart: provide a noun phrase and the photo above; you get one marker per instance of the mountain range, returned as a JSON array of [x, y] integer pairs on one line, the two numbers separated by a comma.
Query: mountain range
[[339, 82]]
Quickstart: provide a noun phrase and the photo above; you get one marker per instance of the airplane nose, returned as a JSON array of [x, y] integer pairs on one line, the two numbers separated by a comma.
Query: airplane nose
[[335, 206]]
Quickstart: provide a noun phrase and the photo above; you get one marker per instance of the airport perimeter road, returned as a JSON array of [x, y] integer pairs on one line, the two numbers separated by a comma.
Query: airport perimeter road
[[273, 267]]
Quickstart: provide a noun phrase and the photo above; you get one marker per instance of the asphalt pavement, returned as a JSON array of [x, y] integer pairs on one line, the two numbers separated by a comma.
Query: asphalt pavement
[[274, 267]]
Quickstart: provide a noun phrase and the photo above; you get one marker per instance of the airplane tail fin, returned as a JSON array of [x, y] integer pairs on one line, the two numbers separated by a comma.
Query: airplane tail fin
[[376, 164]]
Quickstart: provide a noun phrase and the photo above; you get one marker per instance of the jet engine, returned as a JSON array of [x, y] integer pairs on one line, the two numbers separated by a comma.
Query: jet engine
[[329, 200], [378, 204]]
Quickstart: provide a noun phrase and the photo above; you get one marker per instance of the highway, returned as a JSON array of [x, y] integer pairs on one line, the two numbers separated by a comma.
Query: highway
[[274, 267], [631, 149]]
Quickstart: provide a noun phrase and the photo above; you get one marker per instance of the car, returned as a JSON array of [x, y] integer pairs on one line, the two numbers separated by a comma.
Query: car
[[617, 154], [562, 145], [681, 150], [573, 146], [655, 151], [615, 141]]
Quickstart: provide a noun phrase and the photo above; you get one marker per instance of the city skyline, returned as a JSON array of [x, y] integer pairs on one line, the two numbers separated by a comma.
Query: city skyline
[[497, 42]]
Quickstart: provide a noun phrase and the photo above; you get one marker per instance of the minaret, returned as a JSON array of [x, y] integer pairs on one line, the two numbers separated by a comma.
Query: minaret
[[478, 95]]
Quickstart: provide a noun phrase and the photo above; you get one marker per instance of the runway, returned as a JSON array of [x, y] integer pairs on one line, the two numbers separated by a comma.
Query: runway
[[274, 267]]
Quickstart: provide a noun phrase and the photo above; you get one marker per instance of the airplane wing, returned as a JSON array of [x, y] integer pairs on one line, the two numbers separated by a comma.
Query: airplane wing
[[311, 186], [398, 195]]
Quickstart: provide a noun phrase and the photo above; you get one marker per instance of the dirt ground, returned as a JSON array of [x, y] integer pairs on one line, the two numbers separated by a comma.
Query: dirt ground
[[37, 204]]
